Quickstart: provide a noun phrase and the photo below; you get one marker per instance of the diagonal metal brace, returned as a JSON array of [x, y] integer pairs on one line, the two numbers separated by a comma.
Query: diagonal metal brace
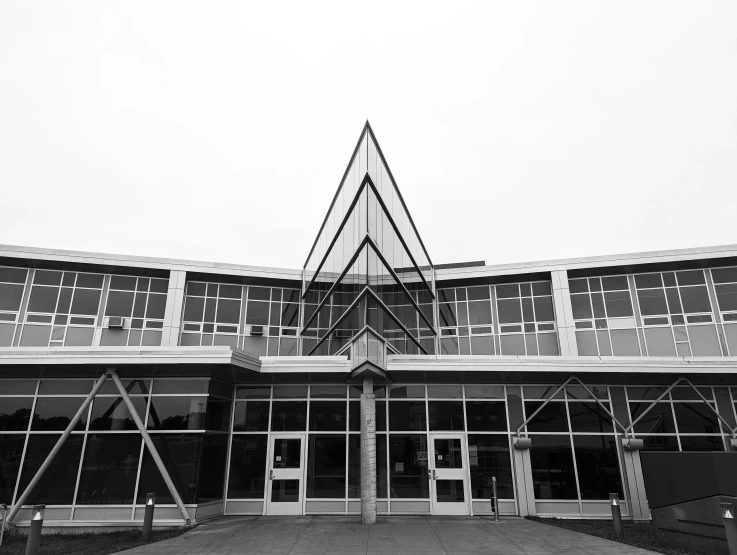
[[150, 444]]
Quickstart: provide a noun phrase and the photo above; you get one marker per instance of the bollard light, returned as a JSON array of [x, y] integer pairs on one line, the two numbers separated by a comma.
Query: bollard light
[[616, 515], [729, 512], [148, 517], [34, 534]]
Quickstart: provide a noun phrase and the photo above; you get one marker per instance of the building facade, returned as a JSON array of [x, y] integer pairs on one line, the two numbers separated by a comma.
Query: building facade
[[370, 379]]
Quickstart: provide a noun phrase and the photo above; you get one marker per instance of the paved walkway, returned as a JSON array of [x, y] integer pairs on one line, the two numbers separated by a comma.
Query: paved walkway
[[395, 534]]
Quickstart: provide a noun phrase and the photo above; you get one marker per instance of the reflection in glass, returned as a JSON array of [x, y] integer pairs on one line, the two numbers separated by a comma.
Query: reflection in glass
[[111, 413], [57, 483], [247, 466], [212, 468], [251, 416], [327, 416], [287, 453], [177, 413], [598, 467], [552, 418], [488, 456], [288, 416], [407, 416], [15, 412], [551, 460], [11, 452], [180, 454], [486, 416], [326, 466], [449, 491], [448, 453], [55, 413], [408, 467], [284, 491], [589, 417], [445, 415], [109, 469]]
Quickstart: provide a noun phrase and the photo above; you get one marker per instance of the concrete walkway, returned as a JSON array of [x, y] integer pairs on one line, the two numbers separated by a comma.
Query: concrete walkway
[[395, 534]]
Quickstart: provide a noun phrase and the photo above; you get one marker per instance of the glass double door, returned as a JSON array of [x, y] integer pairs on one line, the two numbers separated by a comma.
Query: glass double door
[[285, 489], [449, 487]]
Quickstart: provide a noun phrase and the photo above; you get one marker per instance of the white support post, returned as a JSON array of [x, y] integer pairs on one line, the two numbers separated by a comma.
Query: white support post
[[59, 444], [151, 446]]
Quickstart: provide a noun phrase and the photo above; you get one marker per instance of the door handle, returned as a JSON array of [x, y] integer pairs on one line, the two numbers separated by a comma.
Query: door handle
[[434, 476], [271, 474]]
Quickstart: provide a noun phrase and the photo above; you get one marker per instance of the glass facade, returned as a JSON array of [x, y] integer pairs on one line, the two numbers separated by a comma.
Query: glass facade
[[505, 319], [257, 319], [681, 313], [368, 273], [104, 461]]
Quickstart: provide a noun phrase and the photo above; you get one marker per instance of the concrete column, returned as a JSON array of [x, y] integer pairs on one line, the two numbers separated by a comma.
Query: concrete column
[[174, 309], [368, 453], [564, 314]]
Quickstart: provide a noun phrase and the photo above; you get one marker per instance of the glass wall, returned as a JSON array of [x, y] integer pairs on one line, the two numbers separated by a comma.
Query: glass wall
[[260, 320], [330, 416], [684, 313], [104, 461], [504, 319], [50, 308]]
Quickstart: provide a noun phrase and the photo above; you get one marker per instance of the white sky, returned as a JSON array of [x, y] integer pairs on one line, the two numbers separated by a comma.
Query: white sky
[[220, 130]]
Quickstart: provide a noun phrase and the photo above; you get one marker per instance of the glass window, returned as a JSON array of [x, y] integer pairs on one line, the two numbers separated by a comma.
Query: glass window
[[15, 412], [652, 301], [625, 343], [119, 303], [180, 386], [486, 416], [11, 452], [408, 467], [445, 391], [551, 460], [407, 392], [57, 484], [290, 391], [696, 418], [407, 416], [659, 443], [55, 413], [354, 466], [479, 313], [552, 418], [247, 466], [544, 309], [251, 416], [589, 417], [86, 301], [109, 469], [513, 344], [488, 457], [598, 467], [445, 415], [726, 295], [177, 413], [702, 443], [43, 299], [327, 416], [180, 454], [11, 296], [253, 392], [695, 299], [704, 341], [212, 468], [288, 416], [658, 420], [660, 342], [111, 413], [510, 311], [326, 467], [156, 306]]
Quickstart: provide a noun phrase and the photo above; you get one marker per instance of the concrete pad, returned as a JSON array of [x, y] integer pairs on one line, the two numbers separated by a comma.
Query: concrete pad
[[422, 535]]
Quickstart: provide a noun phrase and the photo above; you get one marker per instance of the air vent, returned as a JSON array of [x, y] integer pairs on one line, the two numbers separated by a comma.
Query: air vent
[[116, 323], [257, 330]]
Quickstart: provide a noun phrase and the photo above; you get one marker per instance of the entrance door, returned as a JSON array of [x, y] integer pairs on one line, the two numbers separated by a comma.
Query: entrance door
[[450, 494], [286, 474]]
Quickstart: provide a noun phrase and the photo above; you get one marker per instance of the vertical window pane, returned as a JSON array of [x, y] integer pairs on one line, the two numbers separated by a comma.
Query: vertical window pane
[[327, 416], [15, 412], [408, 467], [109, 469], [326, 467], [212, 468], [552, 418], [598, 467], [247, 476], [180, 454], [488, 456], [251, 416], [11, 452], [695, 418], [551, 461], [57, 484], [589, 417]]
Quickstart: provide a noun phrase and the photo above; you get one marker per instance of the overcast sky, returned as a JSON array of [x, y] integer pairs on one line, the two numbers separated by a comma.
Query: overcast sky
[[515, 130]]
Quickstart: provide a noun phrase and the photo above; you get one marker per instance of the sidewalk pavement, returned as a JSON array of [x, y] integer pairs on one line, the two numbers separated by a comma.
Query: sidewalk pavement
[[426, 535]]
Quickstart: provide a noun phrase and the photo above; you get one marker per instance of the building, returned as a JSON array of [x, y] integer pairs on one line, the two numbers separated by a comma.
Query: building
[[274, 391]]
